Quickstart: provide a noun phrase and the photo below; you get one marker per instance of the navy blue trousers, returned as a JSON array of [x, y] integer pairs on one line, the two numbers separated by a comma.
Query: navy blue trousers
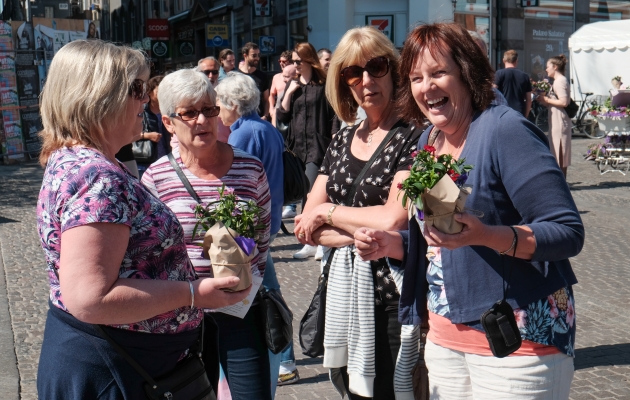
[[76, 363]]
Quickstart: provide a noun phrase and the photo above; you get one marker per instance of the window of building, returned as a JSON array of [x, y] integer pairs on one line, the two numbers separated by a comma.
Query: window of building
[[474, 15], [609, 10], [553, 9]]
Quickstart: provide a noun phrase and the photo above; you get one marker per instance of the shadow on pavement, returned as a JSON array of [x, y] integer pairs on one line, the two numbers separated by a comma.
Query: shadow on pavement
[[614, 354], [4, 220], [603, 185]]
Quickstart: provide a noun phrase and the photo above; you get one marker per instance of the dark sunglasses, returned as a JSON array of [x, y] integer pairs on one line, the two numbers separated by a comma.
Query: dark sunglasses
[[296, 62], [138, 89], [207, 112], [377, 67], [211, 71]]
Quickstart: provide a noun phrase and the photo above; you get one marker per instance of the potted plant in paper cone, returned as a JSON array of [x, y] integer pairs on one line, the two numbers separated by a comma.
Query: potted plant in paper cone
[[230, 239], [435, 191]]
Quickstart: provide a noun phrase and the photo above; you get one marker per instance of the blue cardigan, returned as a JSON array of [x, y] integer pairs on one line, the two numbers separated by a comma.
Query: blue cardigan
[[261, 139], [515, 181]]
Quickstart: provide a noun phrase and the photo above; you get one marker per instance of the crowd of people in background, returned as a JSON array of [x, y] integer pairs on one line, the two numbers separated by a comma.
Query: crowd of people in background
[[114, 206]]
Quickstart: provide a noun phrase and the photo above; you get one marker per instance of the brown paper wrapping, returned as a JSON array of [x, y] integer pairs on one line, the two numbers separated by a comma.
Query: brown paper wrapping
[[441, 202], [227, 257]]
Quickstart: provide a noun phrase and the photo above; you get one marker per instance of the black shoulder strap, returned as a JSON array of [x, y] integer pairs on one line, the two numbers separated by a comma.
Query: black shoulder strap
[[367, 166], [182, 177]]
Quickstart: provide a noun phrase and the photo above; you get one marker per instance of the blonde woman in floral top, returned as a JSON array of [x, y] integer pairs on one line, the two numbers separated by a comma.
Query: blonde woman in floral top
[[115, 254]]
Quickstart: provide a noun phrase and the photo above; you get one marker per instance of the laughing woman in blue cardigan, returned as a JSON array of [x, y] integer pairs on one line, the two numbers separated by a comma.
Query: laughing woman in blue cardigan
[[529, 229]]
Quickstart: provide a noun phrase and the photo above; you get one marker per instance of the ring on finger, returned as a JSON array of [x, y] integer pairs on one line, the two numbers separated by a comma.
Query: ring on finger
[[301, 235]]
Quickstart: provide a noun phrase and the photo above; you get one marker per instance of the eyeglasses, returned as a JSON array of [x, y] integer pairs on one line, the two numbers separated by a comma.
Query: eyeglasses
[[377, 67], [138, 89], [296, 62], [207, 112], [211, 71]]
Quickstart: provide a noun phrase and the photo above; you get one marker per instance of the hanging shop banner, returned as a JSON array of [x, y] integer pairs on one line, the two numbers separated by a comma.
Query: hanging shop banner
[[186, 49], [217, 36], [160, 48], [158, 28]]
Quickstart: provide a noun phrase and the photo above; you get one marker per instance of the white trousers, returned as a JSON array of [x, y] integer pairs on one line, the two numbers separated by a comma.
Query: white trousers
[[457, 375]]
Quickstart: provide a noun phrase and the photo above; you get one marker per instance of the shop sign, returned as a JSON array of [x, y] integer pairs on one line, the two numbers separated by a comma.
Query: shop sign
[[529, 3], [384, 23], [543, 40], [186, 49], [186, 32], [267, 44], [136, 45], [146, 43], [159, 48], [217, 36], [262, 8], [158, 28]]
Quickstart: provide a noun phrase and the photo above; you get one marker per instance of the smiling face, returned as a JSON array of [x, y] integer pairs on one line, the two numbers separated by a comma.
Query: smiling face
[[551, 69], [439, 91], [373, 94], [195, 134]]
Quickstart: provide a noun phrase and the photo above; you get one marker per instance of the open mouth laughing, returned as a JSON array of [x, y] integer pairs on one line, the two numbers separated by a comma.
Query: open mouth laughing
[[436, 104]]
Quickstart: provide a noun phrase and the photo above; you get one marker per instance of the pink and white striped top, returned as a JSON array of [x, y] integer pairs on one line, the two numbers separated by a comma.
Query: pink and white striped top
[[246, 177]]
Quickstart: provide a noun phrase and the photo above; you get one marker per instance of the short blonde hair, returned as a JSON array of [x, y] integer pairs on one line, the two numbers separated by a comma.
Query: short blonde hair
[[86, 93], [357, 46]]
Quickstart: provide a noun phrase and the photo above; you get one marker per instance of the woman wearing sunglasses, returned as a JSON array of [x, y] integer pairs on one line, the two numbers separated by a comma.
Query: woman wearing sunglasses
[[312, 121], [115, 254], [189, 111], [362, 73]]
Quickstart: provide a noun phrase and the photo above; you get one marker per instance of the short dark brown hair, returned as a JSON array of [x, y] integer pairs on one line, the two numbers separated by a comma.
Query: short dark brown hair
[[287, 54], [441, 39], [249, 46], [225, 53], [154, 82]]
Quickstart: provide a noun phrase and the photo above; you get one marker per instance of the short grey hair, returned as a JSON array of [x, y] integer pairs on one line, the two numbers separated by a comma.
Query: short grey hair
[[238, 90], [198, 68], [182, 88]]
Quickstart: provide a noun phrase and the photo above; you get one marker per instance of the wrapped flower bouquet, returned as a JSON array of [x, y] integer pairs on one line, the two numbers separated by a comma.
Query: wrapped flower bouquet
[[230, 239], [435, 191]]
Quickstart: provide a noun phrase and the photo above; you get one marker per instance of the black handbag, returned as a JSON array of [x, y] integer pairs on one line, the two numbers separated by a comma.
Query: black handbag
[[187, 381], [296, 184], [277, 320], [144, 150], [499, 321], [572, 109], [313, 322]]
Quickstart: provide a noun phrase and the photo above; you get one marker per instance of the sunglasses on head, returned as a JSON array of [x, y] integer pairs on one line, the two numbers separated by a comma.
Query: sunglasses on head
[[138, 89], [296, 62], [207, 112], [207, 72], [377, 67]]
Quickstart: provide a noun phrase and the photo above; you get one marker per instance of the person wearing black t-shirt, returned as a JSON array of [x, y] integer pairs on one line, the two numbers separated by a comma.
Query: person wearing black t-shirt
[[251, 56], [514, 84]]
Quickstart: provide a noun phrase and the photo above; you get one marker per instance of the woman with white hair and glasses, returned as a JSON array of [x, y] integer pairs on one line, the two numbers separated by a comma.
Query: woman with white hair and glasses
[[115, 254], [189, 111]]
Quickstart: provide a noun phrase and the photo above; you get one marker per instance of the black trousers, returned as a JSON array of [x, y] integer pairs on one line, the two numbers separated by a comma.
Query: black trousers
[[387, 345]]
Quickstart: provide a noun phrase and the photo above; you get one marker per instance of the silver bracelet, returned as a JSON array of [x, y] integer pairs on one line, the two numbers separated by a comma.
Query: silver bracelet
[[192, 294], [514, 241]]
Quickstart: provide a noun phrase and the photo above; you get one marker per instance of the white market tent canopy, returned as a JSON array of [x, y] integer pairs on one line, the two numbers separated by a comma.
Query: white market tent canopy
[[599, 52]]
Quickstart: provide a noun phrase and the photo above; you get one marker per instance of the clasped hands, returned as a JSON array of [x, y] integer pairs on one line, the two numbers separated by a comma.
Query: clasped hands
[[372, 244]]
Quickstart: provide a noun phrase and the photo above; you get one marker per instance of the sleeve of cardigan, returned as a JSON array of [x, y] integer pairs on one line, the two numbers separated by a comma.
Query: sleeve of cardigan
[[537, 188]]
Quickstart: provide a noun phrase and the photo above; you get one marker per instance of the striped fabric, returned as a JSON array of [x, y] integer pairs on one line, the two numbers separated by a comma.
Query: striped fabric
[[246, 177], [349, 335]]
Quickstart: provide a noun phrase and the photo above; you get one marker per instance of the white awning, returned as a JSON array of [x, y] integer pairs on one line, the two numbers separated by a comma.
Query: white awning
[[605, 35]]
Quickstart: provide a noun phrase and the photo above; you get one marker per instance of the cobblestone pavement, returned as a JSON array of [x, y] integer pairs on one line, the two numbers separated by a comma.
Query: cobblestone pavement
[[603, 268]]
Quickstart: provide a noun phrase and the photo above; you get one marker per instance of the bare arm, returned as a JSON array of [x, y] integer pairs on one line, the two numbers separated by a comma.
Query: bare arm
[[373, 244], [328, 236], [265, 105], [91, 256], [391, 215], [528, 103]]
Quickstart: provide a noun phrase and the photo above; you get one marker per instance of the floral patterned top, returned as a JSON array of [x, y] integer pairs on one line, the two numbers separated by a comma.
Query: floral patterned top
[[81, 186], [549, 321]]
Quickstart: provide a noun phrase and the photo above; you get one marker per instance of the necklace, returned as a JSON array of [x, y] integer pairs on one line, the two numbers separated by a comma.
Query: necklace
[[460, 142]]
